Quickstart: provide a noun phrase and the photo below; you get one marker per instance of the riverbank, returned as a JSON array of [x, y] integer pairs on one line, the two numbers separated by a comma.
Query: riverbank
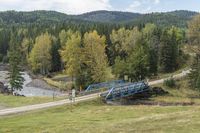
[[40, 83], [31, 87]]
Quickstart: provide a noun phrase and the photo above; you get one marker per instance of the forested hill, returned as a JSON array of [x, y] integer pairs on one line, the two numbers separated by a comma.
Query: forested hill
[[109, 16], [178, 18], [116, 16], [31, 17]]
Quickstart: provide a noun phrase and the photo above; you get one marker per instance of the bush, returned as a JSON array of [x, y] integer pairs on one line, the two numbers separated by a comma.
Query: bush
[[170, 83]]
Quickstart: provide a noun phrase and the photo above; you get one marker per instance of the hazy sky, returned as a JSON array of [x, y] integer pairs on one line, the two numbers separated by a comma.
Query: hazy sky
[[82, 6]]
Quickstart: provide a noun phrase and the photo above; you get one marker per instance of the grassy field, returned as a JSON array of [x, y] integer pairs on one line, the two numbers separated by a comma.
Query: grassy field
[[13, 101], [95, 116], [179, 94], [100, 118]]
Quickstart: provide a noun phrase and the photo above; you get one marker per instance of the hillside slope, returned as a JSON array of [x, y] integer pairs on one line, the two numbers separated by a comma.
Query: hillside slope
[[178, 18]]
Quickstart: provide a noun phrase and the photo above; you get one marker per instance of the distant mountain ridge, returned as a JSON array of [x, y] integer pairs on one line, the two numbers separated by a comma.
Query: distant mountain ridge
[[109, 16], [117, 16], [174, 17]]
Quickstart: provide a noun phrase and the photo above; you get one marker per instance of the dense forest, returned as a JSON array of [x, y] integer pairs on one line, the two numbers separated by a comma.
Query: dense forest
[[97, 46]]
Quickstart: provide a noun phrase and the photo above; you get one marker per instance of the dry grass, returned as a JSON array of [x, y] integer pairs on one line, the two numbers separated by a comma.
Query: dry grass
[[59, 84], [96, 117], [181, 93]]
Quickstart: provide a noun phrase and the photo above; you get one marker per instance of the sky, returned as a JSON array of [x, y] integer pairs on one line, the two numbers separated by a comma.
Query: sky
[[82, 6]]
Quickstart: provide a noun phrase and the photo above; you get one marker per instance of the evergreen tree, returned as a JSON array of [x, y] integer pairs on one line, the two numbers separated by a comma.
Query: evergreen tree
[[15, 75], [194, 73], [168, 52], [198, 83], [152, 38], [174, 49], [137, 64], [56, 59]]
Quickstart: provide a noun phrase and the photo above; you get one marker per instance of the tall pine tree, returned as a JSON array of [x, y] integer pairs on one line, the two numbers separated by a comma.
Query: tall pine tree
[[168, 52], [15, 75]]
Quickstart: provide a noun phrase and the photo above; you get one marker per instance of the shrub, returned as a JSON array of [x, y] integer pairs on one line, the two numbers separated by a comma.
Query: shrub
[[170, 83]]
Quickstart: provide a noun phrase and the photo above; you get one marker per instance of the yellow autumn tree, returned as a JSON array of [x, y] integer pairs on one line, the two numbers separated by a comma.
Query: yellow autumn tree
[[95, 56], [25, 47], [40, 57], [125, 40], [70, 54]]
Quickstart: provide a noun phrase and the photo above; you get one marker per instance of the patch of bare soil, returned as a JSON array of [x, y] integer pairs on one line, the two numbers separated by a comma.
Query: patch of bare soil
[[39, 83]]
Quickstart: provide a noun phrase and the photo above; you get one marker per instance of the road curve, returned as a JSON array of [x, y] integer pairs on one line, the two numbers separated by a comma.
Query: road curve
[[177, 76], [78, 99]]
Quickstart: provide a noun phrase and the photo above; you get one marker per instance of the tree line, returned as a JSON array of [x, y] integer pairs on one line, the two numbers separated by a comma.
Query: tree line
[[136, 53], [194, 40], [97, 55]]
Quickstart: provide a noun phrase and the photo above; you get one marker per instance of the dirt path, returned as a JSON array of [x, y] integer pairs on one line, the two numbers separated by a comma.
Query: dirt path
[[177, 76], [78, 99], [45, 105]]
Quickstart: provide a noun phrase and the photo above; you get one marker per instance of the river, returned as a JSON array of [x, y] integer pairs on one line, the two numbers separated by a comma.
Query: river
[[29, 91]]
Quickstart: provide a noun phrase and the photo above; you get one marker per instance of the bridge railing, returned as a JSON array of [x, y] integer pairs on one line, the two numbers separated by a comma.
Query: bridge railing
[[106, 85], [125, 90]]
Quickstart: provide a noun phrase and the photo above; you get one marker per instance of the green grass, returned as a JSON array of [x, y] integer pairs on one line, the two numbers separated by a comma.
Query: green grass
[[181, 93], [96, 117], [14, 101]]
